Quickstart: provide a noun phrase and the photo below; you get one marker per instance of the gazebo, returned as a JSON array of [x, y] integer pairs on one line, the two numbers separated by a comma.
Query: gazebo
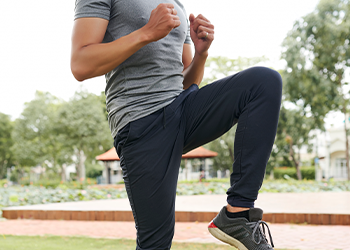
[[111, 163]]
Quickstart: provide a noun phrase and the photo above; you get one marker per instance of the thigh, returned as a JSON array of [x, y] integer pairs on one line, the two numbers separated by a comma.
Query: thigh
[[150, 159], [212, 110]]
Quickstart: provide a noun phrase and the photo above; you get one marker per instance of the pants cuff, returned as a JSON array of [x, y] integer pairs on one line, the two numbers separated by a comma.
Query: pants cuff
[[238, 201]]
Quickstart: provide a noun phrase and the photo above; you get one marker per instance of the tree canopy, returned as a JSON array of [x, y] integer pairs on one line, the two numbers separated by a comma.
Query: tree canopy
[[317, 53], [6, 142], [53, 133]]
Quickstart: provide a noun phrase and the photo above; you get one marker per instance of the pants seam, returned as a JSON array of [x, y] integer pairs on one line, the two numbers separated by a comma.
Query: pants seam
[[240, 155], [131, 193]]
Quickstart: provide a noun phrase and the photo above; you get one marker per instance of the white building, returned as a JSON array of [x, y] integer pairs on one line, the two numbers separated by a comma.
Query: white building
[[332, 153]]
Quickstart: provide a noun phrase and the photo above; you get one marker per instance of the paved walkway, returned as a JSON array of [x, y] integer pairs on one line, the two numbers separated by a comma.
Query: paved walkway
[[285, 236], [322, 203]]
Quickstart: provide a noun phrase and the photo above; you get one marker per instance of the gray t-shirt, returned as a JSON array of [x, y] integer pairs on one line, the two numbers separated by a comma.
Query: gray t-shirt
[[152, 77]]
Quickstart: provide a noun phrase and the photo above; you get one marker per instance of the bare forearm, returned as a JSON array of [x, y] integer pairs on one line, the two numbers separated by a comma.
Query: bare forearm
[[90, 57], [193, 74], [98, 59]]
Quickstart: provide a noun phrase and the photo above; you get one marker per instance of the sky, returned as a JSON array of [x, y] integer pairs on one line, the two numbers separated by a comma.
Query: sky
[[36, 39]]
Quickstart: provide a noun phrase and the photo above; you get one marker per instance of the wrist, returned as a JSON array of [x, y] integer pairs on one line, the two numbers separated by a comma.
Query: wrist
[[144, 36], [202, 55]]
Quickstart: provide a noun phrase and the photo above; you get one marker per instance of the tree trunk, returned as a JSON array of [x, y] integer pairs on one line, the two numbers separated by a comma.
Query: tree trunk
[[81, 166], [63, 173], [296, 166], [346, 141], [296, 162], [231, 154]]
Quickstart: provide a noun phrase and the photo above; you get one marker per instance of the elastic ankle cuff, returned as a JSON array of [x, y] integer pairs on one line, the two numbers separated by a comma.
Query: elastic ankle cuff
[[238, 201]]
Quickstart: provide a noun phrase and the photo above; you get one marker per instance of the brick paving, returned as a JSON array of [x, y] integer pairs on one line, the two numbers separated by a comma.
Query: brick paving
[[285, 236]]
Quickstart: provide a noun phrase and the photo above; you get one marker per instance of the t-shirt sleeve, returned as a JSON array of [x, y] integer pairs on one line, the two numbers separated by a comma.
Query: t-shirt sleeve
[[188, 34], [93, 8]]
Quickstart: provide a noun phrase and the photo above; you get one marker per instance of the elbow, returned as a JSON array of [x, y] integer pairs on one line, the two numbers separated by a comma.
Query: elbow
[[78, 76], [79, 72]]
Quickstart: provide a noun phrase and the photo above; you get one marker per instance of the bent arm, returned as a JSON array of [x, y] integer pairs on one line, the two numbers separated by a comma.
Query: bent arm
[[90, 57], [193, 67], [202, 35]]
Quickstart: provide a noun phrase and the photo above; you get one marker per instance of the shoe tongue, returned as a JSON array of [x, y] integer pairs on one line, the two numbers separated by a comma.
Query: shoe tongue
[[255, 214]]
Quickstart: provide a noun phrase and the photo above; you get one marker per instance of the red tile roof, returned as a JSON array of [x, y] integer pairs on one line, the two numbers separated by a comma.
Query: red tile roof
[[200, 152]]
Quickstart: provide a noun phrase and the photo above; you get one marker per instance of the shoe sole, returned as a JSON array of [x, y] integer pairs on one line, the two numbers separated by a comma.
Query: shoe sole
[[220, 235]]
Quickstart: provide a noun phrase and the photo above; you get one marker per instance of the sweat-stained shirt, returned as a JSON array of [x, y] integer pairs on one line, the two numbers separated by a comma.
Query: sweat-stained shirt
[[151, 78]]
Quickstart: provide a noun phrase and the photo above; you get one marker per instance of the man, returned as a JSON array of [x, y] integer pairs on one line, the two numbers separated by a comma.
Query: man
[[143, 48]]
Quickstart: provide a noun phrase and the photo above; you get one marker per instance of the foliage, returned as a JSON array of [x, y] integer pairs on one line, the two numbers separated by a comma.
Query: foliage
[[317, 55], [37, 139], [202, 188], [308, 173], [295, 186], [216, 68], [224, 146], [220, 67], [30, 195], [317, 52], [93, 170], [102, 99], [293, 132], [6, 142], [3, 182], [223, 180], [85, 243], [85, 129], [53, 134]]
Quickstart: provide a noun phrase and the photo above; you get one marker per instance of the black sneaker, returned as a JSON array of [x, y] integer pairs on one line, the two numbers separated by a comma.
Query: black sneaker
[[241, 233]]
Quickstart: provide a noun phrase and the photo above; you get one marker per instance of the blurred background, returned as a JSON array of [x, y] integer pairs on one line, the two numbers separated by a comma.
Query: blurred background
[[55, 144]]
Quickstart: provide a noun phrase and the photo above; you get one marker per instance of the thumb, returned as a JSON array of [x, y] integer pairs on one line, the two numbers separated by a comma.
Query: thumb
[[191, 18]]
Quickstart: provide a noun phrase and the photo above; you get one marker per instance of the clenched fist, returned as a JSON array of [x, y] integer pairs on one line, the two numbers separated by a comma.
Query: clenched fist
[[163, 20], [202, 33]]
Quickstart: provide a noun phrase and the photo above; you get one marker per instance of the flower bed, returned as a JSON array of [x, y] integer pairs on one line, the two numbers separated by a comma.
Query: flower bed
[[30, 195], [295, 186]]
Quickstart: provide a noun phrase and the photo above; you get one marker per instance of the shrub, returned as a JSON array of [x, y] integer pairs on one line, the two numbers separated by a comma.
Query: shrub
[[307, 173], [3, 182], [93, 173], [93, 170]]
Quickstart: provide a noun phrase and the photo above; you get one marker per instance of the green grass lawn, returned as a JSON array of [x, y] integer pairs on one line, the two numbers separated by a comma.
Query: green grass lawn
[[82, 243], [8, 242]]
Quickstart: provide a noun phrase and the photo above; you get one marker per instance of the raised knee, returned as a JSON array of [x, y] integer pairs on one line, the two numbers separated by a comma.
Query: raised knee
[[273, 78], [269, 79]]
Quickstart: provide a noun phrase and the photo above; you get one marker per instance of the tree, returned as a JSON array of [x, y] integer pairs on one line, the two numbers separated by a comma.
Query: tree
[[224, 146], [6, 142], [220, 66], [102, 98], [33, 130], [293, 132], [317, 52], [216, 68], [83, 125], [37, 140]]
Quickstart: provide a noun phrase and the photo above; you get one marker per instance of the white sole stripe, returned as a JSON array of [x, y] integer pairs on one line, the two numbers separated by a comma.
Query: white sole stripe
[[220, 235]]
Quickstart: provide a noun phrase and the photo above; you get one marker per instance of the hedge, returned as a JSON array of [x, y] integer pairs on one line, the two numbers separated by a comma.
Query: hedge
[[307, 173]]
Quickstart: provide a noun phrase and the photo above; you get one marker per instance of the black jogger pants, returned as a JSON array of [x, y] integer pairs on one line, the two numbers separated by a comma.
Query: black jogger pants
[[150, 148]]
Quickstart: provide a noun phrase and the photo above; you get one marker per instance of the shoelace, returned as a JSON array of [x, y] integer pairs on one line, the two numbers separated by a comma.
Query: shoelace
[[257, 230]]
